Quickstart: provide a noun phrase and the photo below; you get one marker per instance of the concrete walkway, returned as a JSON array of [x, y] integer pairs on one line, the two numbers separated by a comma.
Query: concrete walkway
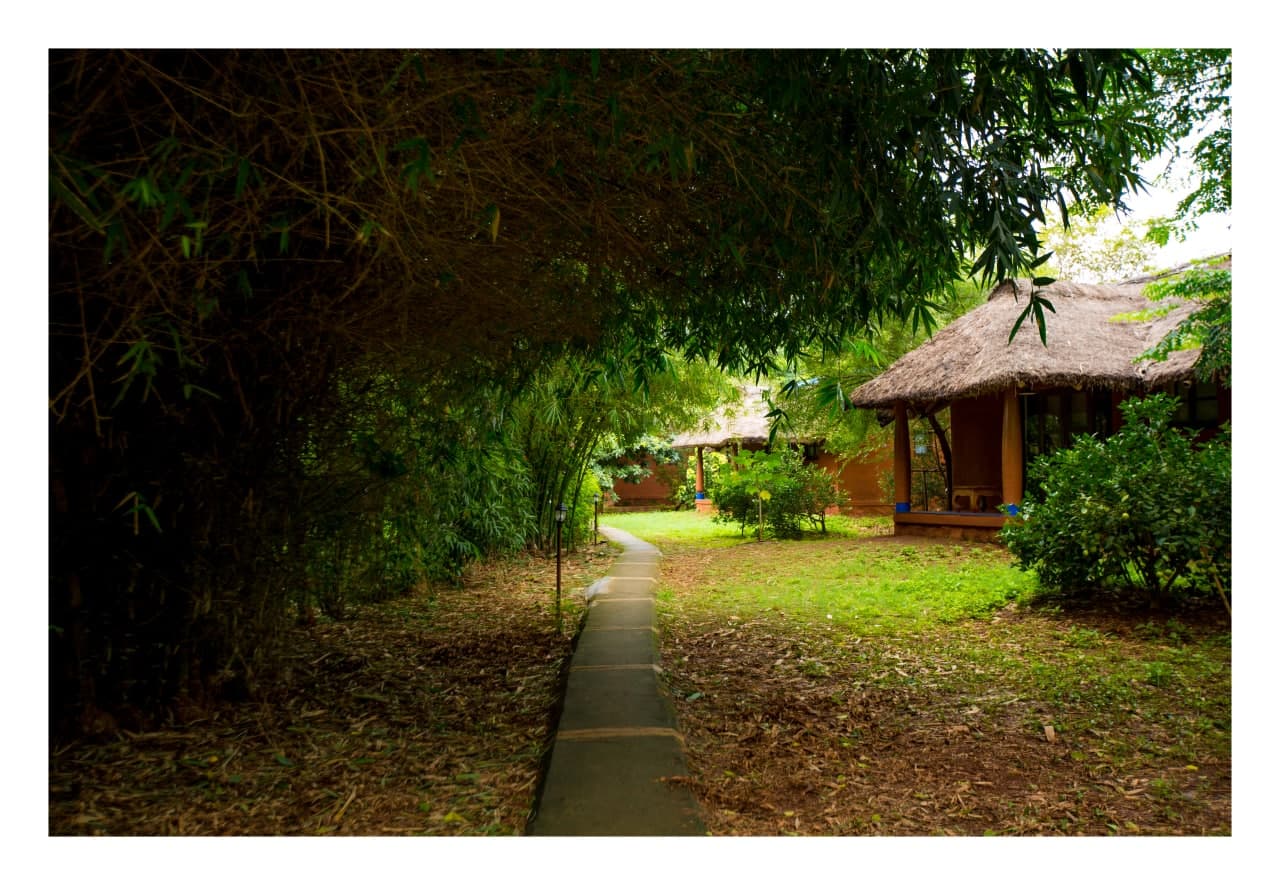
[[617, 736]]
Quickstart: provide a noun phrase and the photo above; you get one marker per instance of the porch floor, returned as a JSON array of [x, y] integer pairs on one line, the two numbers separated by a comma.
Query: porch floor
[[961, 525]]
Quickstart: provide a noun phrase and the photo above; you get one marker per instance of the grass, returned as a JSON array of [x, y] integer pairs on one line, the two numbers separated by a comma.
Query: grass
[[675, 530], [937, 671], [868, 588]]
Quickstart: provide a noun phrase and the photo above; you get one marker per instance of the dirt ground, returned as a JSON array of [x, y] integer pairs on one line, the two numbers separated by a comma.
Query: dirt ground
[[426, 715], [781, 744], [431, 715]]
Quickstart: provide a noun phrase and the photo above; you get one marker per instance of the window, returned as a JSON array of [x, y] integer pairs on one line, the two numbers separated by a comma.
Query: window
[[1198, 404], [1052, 419]]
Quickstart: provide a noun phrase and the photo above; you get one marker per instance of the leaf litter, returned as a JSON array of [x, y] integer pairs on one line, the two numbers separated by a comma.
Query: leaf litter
[[430, 715], [426, 715], [797, 728]]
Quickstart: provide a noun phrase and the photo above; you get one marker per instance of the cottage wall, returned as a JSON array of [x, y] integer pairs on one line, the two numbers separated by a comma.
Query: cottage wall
[[975, 441], [654, 492], [860, 480]]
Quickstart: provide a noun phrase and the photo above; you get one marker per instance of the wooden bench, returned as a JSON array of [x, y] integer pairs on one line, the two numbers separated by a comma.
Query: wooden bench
[[976, 498]]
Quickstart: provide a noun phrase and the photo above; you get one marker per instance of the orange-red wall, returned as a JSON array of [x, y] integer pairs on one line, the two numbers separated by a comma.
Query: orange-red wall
[[975, 440], [652, 491], [860, 480]]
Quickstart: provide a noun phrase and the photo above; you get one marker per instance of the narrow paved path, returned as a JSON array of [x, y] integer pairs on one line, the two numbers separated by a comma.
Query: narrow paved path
[[617, 739]]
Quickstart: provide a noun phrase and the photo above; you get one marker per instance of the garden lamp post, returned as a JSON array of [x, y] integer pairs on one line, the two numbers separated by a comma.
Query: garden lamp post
[[595, 537], [561, 512]]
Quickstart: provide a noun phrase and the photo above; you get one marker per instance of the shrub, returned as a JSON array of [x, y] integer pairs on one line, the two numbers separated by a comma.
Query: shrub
[[789, 492], [615, 462], [1147, 510], [580, 524]]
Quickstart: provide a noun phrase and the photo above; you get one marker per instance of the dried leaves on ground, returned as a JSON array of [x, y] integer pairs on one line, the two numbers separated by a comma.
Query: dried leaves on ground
[[1026, 721], [431, 715], [425, 715]]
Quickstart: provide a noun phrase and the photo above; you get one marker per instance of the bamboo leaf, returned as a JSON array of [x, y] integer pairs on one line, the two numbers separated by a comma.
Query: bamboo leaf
[[187, 390], [242, 176], [150, 514], [1026, 312], [75, 204]]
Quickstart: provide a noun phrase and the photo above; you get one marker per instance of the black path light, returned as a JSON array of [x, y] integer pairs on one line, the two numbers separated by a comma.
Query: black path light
[[561, 512], [595, 538]]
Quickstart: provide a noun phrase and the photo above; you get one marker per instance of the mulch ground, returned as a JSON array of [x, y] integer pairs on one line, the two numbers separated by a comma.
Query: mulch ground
[[426, 715], [432, 714], [779, 744]]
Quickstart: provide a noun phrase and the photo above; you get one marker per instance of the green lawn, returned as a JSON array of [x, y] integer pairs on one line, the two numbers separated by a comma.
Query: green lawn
[[868, 587], [677, 529]]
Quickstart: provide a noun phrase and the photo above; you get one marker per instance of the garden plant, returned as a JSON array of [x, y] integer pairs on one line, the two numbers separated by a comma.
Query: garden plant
[[1145, 511], [776, 489]]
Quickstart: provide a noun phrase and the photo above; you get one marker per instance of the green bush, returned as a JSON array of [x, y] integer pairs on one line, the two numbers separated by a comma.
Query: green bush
[[1147, 510], [788, 491], [580, 524], [616, 462], [413, 496]]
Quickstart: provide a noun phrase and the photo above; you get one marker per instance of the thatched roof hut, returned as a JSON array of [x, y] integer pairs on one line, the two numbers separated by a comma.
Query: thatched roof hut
[[1087, 347], [745, 421]]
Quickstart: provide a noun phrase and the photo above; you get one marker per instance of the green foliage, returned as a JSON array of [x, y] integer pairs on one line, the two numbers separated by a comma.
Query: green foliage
[[1145, 511], [1097, 248], [371, 175], [1037, 304], [581, 519], [412, 495], [239, 241], [618, 463], [1191, 104], [778, 485], [579, 414], [1208, 327], [815, 389]]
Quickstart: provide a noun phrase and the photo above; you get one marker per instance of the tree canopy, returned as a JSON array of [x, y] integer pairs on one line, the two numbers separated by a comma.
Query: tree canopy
[[273, 273], [471, 203], [1191, 103]]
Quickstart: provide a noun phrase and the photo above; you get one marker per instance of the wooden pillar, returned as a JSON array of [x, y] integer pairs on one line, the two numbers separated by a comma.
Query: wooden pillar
[[701, 503], [901, 459], [1011, 451]]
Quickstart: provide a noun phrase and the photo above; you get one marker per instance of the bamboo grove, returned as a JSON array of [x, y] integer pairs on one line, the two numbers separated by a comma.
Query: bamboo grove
[[328, 324]]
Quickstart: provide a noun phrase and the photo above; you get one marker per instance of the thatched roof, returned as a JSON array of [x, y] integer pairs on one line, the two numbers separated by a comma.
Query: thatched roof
[[743, 421], [1087, 347]]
